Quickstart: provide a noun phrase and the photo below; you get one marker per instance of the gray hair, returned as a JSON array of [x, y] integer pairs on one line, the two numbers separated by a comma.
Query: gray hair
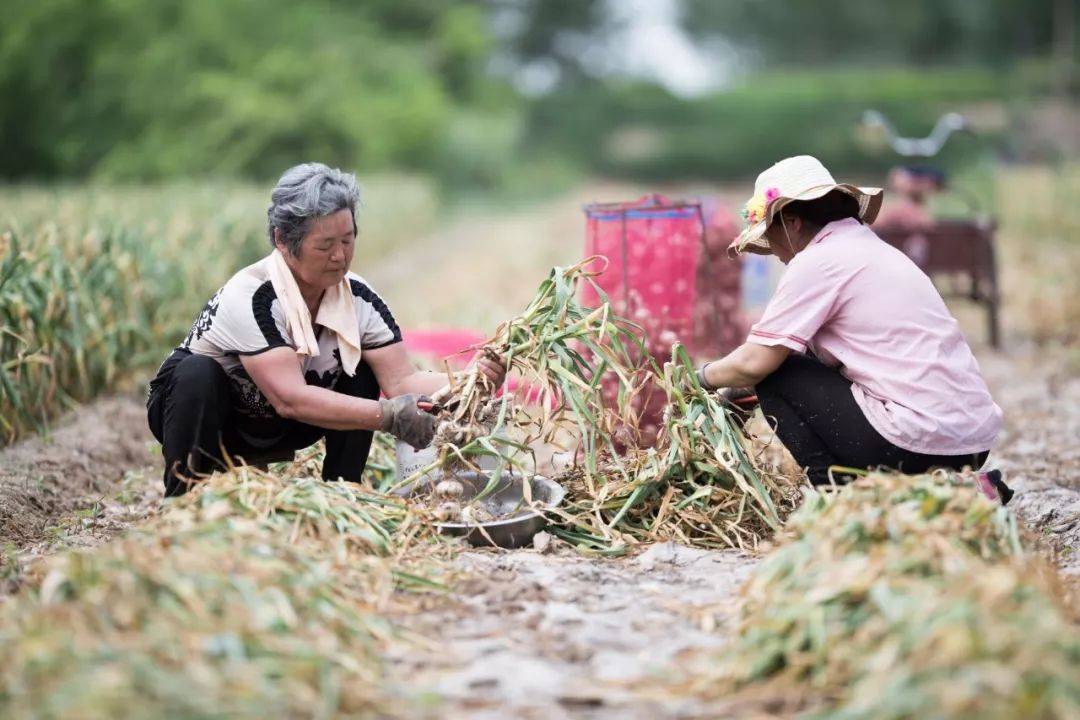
[[305, 193]]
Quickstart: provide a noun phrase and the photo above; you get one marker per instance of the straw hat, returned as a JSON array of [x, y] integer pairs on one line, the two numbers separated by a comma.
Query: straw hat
[[795, 178]]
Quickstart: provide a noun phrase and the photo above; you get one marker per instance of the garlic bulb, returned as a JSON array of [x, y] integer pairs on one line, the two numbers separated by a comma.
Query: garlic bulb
[[447, 511], [449, 489]]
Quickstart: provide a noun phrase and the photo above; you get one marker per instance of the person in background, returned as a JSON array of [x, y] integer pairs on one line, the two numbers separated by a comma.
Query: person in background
[[856, 359], [911, 188], [293, 349]]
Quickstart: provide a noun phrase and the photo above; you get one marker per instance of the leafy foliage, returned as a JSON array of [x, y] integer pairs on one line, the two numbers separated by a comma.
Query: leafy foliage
[[643, 131], [137, 89], [920, 31]]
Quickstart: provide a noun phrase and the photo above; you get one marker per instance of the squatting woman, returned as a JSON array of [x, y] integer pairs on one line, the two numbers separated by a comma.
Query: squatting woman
[[856, 359], [292, 349]]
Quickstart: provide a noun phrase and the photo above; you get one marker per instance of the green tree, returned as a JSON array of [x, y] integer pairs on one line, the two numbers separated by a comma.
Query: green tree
[[550, 31], [156, 88], [994, 32]]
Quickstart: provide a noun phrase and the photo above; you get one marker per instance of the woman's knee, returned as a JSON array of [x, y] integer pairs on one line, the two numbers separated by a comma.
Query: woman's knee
[[199, 373], [198, 383], [182, 379], [794, 367], [914, 463]]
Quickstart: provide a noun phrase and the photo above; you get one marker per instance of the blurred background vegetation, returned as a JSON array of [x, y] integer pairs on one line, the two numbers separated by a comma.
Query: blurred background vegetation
[[517, 94]]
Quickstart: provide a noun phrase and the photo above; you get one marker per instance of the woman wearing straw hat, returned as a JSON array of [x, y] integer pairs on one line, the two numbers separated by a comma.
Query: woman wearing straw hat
[[856, 358]]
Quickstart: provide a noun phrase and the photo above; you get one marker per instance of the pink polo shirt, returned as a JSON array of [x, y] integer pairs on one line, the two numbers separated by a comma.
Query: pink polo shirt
[[862, 306]]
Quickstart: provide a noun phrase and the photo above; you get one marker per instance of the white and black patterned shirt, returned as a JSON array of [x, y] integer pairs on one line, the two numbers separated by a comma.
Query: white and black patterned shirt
[[245, 317]]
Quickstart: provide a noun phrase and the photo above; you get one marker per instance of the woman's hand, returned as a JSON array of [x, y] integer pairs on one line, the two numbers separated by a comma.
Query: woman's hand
[[491, 366], [737, 396], [740, 401]]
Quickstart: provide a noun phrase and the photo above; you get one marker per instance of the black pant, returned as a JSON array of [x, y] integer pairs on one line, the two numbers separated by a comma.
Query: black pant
[[191, 415], [819, 422]]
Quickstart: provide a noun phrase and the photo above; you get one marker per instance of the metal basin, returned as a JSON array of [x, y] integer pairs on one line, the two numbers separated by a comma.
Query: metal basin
[[521, 521]]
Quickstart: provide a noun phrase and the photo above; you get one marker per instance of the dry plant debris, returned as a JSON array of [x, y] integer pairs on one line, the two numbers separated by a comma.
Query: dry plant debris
[[561, 350], [252, 596], [699, 484], [901, 597]]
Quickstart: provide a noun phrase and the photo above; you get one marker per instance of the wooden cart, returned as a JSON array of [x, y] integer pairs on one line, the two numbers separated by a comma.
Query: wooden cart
[[959, 256]]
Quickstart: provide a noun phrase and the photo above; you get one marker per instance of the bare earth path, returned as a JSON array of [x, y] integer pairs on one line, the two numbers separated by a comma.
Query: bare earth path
[[543, 636], [532, 635], [92, 477], [82, 461], [1039, 449]]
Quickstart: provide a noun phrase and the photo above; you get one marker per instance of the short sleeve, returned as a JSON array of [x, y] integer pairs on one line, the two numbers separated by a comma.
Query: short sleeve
[[803, 302], [377, 325], [249, 320]]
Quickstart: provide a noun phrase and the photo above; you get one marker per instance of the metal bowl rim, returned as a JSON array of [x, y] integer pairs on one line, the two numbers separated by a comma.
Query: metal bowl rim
[[530, 515]]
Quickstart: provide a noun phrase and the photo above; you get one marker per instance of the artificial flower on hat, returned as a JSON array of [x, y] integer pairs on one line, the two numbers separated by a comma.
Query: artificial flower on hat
[[802, 177], [757, 205]]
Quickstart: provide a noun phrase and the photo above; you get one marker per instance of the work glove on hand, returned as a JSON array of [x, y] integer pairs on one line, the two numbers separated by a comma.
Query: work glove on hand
[[404, 420], [700, 375], [739, 400]]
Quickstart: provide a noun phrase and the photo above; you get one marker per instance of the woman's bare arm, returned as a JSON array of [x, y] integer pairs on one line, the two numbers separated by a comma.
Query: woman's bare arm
[[745, 366], [278, 375], [397, 375]]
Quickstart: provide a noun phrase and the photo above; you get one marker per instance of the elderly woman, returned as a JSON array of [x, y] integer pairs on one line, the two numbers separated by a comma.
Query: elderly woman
[[292, 349], [856, 359]]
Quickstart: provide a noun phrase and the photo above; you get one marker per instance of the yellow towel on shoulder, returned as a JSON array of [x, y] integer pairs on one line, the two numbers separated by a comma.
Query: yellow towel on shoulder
[[337, 313]]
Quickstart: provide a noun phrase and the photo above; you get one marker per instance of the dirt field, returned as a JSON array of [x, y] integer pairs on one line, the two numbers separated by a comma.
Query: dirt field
[[541, 634], [528, 634], [1038, 450], [79, 466]]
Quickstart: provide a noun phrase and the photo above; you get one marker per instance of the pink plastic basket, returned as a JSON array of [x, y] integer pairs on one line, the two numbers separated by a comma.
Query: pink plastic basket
[[652, 246], [671, 277]]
